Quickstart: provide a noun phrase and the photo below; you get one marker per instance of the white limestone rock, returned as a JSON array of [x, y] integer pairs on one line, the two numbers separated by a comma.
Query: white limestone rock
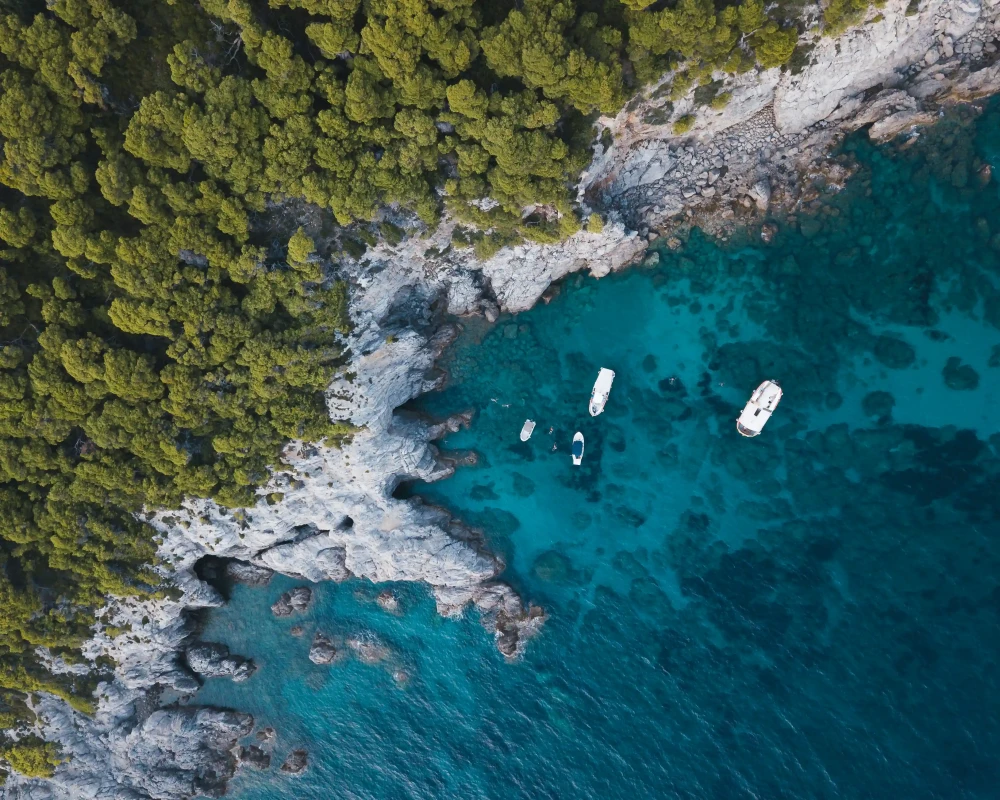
[[213, 660]]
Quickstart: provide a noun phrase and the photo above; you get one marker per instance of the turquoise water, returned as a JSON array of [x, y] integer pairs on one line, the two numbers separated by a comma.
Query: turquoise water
[[811, 614]]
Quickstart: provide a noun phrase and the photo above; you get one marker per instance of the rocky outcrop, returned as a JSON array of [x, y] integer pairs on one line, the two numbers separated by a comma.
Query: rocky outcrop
[[322, 651], [333, 515], [892, 74], [249, 574], [388, 602], [296, 600], [211, 660], [254, 756], [296, 762]]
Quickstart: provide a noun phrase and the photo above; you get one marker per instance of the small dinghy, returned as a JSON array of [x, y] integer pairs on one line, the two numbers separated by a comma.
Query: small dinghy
[[577, 448], [759, 408], [527, 429], [602, 388]]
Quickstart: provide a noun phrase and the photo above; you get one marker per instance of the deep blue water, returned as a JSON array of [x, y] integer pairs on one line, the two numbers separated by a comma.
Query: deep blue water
[[814, 613]]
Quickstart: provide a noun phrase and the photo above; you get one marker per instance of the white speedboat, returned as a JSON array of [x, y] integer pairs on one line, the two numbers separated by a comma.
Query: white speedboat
[[759, 408], [602, 388], [527, 429], [577, 448]]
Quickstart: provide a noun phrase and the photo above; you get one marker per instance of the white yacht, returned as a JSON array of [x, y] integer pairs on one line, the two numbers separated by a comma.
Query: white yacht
[[602, 388], [759, 408], [527, 429], [577, 448]]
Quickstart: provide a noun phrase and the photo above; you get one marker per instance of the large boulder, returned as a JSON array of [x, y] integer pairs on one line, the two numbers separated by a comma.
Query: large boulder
[[323, 650], [295, 600], [212, 660]]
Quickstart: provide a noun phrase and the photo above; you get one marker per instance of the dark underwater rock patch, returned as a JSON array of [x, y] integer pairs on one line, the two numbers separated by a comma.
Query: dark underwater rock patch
[[958, 376], [629, 516], [878, 404], [649, 363], [523, 485], [553, 567], [672, 386], [481, 491], [627, 564], [615, 439], [894, 353], [646, 594]]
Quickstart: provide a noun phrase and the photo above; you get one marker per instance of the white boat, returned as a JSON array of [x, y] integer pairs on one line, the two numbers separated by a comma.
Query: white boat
[[527, 429], [759, 408], [602, 388], [577, 448]]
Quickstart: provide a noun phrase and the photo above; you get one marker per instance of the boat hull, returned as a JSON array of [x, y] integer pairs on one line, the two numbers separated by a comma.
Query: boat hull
[[758, 409], [577, 452], [601, 391], [527, 429]]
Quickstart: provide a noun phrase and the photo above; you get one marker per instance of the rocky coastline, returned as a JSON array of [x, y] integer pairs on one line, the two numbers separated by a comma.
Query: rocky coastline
[[334, 516]]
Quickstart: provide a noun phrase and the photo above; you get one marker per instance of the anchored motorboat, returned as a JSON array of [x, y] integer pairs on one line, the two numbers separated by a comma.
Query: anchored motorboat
[[527, 429], [577, 448], [602, 388], [759, 408]]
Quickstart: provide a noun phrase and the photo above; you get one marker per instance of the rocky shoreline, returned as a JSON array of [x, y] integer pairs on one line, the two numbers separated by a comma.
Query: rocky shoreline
[[336, 517]]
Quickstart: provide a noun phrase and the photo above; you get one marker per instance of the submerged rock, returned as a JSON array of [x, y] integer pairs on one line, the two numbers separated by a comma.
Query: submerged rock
[[212, 660], [266, 735], [523, 485], [553, 566], [877, 404], [296, 600], [959, 376], [388, 601], [296, 762], [894, 353], [369, 650], [322, 650]]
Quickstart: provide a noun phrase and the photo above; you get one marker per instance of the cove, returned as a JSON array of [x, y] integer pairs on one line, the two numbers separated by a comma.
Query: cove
[[810, 614]]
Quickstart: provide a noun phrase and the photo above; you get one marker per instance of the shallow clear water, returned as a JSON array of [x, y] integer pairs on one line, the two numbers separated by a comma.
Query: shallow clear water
[[814, 613]]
